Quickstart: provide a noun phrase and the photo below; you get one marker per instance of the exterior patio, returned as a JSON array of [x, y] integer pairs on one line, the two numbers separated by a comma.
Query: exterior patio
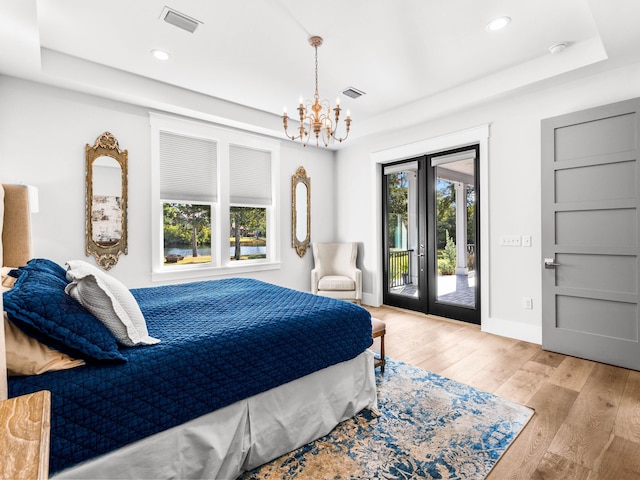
[[454, 289]]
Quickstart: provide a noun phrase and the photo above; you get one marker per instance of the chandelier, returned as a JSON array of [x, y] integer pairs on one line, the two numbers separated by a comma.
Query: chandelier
[[315, 116]]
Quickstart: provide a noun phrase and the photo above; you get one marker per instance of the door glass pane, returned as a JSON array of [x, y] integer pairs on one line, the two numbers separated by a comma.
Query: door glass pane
[[402, 232], [456, 233]]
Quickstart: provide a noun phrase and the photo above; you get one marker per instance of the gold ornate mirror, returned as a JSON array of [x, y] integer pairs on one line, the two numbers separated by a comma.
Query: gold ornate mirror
[[106, 201], [300, 211]]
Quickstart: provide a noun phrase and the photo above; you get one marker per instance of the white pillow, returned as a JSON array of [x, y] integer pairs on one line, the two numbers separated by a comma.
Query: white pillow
[[110, 301]]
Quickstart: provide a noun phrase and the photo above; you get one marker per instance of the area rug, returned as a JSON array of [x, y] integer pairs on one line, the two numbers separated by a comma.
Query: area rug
[[428, 427]]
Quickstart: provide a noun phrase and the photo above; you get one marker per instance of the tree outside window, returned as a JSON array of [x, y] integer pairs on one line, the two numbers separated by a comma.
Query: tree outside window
[[187, 233], [248, 236], [397, 204]]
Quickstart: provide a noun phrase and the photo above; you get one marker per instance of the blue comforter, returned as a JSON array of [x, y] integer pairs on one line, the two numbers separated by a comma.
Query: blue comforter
[[222, 341]]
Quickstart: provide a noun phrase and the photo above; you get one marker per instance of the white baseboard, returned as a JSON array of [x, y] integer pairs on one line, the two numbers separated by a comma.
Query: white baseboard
[[496, 326], [369, 299], [512, 329]]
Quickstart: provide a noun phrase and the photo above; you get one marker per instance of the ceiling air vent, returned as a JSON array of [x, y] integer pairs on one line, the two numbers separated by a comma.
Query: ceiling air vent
[[179, 20], [352, 92]]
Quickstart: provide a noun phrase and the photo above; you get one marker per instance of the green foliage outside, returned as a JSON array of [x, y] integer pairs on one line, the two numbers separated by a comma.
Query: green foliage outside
[[446, 225], [397, 216], [446, 212], [187, 225], [189, 260], [447, 257], [248, 228], [397, 199], [397, 209]]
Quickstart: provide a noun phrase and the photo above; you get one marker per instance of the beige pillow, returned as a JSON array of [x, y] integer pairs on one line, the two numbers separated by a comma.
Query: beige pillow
[[7, 281], [27, 356]]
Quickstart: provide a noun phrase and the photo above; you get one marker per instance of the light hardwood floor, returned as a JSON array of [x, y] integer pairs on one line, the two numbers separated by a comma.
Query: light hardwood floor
[[587, 415]]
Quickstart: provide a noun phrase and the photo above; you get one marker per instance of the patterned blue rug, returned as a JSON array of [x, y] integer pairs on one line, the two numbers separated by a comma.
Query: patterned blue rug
[[429, 427]]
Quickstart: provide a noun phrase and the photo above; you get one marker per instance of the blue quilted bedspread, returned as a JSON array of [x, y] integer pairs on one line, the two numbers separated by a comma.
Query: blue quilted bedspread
[[222, 341]]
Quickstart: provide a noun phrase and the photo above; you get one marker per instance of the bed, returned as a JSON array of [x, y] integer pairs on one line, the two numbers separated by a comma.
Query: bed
[[243, 372]]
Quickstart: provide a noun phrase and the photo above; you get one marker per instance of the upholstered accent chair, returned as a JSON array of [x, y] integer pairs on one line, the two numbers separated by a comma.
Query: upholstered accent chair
[[335, 274]]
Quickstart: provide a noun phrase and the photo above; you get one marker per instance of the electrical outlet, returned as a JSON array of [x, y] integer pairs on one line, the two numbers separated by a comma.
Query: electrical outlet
[[527, 303], [510, 240]]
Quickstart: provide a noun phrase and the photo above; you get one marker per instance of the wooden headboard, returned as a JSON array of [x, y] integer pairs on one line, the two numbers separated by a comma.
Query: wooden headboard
[[15, 248]]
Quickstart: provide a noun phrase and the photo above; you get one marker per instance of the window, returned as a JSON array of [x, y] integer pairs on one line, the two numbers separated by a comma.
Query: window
[[248, 239], [249, 197], [215, 210], [186, 233], [188, 190]]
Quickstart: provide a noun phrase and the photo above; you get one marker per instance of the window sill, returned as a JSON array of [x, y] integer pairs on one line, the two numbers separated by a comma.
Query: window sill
[[204, 272]]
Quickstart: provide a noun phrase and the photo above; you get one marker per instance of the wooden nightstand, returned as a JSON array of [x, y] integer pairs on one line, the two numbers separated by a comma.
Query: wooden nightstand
[[24, 436]]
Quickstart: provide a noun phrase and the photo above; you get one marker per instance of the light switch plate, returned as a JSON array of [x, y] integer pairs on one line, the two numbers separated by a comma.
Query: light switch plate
[[510, 240]]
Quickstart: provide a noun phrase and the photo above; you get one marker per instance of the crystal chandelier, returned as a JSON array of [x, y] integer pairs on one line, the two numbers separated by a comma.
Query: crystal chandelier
[[315, 116]]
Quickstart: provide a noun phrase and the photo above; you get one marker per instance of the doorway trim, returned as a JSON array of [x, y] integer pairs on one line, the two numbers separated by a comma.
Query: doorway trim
[[477, 135]]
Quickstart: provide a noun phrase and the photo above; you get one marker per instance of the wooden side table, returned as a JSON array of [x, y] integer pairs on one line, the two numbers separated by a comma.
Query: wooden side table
[[24, 436]]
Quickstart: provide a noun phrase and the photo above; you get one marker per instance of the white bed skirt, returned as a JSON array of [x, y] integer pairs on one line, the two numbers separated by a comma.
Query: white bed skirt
[[229, 441]]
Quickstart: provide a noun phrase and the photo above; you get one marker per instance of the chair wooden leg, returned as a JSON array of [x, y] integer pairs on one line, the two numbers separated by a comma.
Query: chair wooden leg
[[379, 329], [383, 359]]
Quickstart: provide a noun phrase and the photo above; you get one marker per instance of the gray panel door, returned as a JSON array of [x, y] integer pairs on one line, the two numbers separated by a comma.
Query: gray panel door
[[590, 244]]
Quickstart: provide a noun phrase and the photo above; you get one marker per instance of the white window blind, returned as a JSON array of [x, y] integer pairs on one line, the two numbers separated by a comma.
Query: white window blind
[[403, 167], [453, 157], [249, 176], [188, 168]]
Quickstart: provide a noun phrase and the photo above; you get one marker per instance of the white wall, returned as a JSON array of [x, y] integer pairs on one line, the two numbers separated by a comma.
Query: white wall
[[43, 132], [513, 185]]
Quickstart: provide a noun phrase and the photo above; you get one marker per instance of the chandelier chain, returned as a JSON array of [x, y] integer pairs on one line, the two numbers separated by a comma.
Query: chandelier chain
[[316, 95]]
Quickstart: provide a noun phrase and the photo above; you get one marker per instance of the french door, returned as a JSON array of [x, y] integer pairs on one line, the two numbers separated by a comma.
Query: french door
[[430, 244]]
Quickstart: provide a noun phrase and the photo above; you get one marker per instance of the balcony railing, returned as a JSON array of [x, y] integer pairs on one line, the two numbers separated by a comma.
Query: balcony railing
[[400, 272], [399, 268]]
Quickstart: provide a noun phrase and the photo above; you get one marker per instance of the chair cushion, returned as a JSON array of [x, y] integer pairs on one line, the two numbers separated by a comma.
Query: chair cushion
[[377, 326], [336, 282]]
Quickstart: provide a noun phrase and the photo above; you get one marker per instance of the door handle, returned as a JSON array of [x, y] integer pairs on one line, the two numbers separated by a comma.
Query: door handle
[[419, 254], [549, 263]]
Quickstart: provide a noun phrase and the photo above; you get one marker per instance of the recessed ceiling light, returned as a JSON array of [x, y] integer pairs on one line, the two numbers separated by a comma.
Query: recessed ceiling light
[[498, 23], [557, 48], [160, 54]]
